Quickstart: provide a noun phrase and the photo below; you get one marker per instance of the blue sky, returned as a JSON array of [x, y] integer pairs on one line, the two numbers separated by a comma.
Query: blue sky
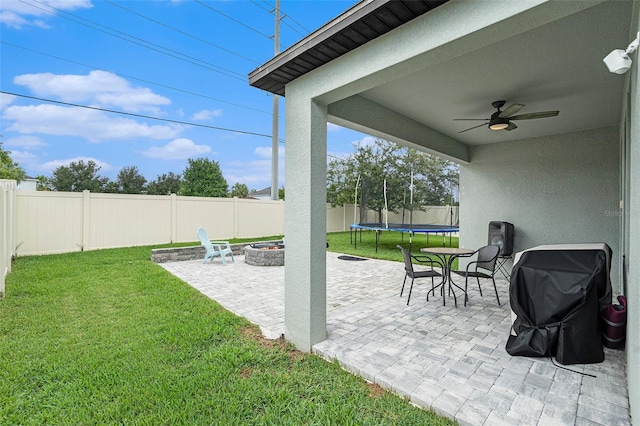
[[183, 60]]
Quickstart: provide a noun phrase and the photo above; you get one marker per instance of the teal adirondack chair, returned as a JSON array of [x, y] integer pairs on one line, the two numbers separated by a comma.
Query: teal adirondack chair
[[214, 248]]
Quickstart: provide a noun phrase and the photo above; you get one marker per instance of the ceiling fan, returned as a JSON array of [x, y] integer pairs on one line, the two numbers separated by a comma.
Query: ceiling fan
[[501, 120]]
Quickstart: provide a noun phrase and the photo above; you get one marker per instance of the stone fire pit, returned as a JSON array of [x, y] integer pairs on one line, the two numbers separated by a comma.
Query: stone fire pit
[[264, 254]]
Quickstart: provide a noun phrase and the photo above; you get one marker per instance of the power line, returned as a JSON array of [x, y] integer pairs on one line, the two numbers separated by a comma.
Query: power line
[[141, 43], [287, 24], [136, 78], [262, 7], [287, 15], [137, 115], [270, 11], [233, 19], [181, 32]]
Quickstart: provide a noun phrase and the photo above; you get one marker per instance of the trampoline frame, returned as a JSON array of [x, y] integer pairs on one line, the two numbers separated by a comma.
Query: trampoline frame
[[410, 229]]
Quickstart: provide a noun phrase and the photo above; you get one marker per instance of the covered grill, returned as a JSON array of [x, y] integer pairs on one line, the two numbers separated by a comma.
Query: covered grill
[[557, 293]]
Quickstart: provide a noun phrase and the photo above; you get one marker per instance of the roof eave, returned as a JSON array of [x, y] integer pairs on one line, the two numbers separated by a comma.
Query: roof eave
[[277, 72]]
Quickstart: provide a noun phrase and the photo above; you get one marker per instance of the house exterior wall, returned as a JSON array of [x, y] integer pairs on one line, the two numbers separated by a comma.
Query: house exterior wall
[[29, 184], [631, 121], [556, 189]]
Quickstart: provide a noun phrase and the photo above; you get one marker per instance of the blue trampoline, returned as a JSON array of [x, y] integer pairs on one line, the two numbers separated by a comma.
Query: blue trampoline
[[405, 228]]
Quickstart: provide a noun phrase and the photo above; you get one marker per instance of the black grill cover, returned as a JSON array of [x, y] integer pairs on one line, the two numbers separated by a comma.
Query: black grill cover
[[557, 296]]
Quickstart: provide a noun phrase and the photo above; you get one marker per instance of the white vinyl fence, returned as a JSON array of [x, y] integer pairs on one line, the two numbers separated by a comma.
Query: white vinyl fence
[[59, 222], [7, 234]]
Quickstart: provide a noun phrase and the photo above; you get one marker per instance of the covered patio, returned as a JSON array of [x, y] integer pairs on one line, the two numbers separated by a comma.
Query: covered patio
[[450, 359], [408, 71]]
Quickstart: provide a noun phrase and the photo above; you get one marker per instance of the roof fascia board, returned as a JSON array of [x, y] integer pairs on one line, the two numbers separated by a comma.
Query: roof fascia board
[[326, 31], [361, 114]]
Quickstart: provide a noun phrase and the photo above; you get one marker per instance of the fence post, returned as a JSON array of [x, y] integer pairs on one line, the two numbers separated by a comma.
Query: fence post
[[236, 217], [7, 228], [283, 212], [173, 199], [86, 220], [5, 258]]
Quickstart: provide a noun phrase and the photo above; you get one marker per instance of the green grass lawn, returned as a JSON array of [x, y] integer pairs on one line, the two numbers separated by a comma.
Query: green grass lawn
[[342, 242], [107, 337]]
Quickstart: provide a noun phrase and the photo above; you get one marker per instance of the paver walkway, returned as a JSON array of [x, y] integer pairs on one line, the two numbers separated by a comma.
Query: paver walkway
[[452, 360]]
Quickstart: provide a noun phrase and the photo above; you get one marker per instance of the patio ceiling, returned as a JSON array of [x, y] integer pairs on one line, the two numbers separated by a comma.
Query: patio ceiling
[[554, 67], [557, 66]]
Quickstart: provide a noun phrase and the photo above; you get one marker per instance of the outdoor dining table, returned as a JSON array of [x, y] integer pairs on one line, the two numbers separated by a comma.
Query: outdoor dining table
[[446, 256]]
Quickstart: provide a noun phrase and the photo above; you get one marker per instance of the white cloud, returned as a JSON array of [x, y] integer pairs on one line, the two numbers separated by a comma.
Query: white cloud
[[207, 114], [16, 14], [98, 88], [6, 100], [24, 159], [365, 141], [93, 125], [178, 149], [54, 164], [267, 151], [26, 142], [256, 174], [335, 154]]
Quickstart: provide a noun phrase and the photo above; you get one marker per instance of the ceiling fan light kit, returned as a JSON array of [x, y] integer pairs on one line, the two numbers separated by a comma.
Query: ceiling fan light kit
[[499, 124], [501, 119]]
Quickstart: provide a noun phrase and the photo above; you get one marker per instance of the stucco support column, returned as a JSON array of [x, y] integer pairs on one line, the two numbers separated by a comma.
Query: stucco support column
[[305, 307]]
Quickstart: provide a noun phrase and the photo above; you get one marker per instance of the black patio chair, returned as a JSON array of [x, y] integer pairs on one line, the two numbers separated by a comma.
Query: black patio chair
[[414, 274], [483, 267]]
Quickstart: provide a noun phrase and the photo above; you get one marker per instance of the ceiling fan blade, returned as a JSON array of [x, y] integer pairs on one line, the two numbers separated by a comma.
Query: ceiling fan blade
[[511, 126], [543, 114], [471, 119], [510, 110], [474, 127]]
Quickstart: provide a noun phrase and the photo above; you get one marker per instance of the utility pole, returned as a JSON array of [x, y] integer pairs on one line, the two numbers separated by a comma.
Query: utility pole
[[275, 124]]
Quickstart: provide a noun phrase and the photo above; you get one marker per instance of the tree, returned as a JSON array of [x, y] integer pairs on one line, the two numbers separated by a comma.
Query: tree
[[10, 169], [165, 184], [130, 181], [111, 187], [371, 164], [203, 177], [77, 177], [239, 190], [43, 183], [281, 193]]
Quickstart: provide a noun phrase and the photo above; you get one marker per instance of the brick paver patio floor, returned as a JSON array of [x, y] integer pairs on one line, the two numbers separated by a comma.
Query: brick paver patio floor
[[450, 359]]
